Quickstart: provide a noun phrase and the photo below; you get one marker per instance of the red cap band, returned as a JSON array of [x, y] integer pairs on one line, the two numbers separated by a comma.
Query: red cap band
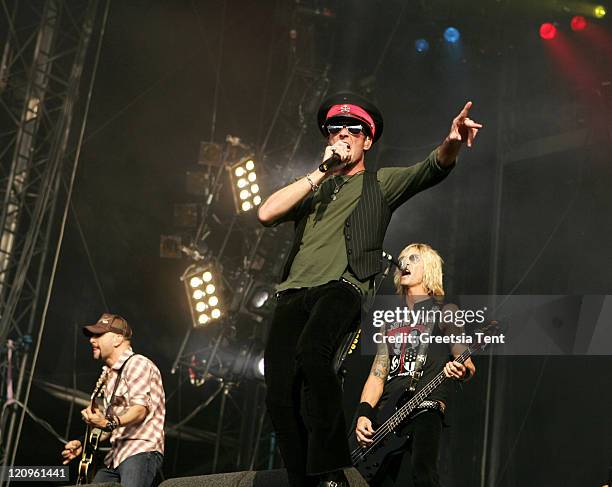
[[352, 111]]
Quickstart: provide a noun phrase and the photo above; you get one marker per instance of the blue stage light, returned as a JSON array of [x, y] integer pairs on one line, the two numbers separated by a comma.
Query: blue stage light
[[421, 45], [451, 35]]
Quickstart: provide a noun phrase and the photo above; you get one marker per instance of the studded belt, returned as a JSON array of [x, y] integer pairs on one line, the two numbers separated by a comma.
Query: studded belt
[[354, 286], [437, 405]]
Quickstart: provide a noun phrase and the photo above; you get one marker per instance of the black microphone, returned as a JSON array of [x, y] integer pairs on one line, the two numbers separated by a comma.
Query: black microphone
[[334, 160], [395, 262]]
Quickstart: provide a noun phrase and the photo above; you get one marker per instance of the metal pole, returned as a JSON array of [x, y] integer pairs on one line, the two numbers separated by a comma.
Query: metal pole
[[224, 395]]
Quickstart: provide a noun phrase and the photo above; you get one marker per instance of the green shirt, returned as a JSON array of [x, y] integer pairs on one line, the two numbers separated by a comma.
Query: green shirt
[[322, 257]]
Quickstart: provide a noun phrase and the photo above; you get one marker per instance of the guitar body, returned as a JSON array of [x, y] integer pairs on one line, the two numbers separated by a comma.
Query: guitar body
[[87, 463], [373, 464]]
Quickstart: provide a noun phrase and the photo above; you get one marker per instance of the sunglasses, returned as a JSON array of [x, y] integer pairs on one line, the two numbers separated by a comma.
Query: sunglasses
[[353, 129], [411, 259]]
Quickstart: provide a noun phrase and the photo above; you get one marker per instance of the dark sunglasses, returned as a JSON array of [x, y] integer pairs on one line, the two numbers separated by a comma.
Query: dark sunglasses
[[353, 129]]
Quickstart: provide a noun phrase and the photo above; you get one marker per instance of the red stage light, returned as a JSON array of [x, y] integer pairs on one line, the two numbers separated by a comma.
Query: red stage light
[[578, 23], [548, 31]]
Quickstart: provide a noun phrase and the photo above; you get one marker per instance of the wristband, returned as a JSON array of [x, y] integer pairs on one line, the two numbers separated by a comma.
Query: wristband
[[313, 186], [365, 409], [110, 426]]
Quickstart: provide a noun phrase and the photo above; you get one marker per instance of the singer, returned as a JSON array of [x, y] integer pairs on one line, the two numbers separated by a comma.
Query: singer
[[341, 212]]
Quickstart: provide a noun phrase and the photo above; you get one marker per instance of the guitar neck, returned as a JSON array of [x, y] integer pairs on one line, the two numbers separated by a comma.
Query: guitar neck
[[403, 412]]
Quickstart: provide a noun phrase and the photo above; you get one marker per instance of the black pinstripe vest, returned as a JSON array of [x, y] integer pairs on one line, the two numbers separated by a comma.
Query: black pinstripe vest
[[364, 230]]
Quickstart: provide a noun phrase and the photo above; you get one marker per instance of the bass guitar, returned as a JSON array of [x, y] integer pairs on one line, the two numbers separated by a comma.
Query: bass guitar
[[388, 439]]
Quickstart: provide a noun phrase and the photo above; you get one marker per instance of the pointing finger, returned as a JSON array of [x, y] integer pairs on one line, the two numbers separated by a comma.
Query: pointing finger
[[466, 109]]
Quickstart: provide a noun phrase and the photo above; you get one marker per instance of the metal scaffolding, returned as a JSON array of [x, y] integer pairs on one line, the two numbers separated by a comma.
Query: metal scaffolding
[[41, 69]]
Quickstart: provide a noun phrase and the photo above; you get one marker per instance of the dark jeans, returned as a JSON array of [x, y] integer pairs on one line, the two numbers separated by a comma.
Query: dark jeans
[[422, 457], [307, 329], [136, 471]]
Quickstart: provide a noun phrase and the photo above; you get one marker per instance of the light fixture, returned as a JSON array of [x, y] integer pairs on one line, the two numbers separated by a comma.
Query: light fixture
[[578, 23], [259, 302], [233, 361], [244, 189], [548, 31], [202, 294], [421, 45], [451, 35]]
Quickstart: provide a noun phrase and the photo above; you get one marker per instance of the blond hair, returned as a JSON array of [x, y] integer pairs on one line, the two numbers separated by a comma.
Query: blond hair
[[432, 270]]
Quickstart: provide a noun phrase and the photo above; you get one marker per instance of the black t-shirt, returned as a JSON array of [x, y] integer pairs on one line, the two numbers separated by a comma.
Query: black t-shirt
[[403, 353]]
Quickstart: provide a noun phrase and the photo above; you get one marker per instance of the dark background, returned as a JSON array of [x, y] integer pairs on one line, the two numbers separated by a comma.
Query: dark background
[[153, 102]]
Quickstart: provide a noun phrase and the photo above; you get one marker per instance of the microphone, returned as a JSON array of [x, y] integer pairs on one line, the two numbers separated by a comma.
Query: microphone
[[393, 260], [334, 160]]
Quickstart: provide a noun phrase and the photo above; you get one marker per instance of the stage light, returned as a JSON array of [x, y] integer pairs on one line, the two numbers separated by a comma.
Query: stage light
[[421, 45], [578, 23], [199, 287], [260, 297], [243, 175], [599, 11], [259, 300], [232, 361], [261, 369], [451, 35], [548, 31]]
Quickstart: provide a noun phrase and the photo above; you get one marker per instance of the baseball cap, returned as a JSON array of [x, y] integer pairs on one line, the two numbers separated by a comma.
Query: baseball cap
[[109, 322]]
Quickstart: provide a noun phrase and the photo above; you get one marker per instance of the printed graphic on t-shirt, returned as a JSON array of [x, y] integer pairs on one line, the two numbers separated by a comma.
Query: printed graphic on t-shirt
[[403, 346]]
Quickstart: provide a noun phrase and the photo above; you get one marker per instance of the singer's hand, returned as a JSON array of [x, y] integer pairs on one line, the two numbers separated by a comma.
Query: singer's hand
[[342, 148]]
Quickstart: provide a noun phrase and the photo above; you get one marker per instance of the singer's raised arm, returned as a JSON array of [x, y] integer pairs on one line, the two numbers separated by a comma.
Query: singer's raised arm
[[278, 204]]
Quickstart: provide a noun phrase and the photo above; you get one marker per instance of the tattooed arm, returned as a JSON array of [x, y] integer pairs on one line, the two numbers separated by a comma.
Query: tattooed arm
[[372, 391], [373, 388]]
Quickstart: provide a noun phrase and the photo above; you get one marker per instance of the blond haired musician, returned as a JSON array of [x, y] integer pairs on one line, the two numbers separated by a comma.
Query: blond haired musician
[[419, 283]]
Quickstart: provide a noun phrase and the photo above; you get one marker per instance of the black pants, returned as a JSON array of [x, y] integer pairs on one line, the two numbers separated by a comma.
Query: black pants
[[307, 329], [422, 454]]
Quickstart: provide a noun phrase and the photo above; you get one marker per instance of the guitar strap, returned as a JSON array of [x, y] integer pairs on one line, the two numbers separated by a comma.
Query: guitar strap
[[119, 372]]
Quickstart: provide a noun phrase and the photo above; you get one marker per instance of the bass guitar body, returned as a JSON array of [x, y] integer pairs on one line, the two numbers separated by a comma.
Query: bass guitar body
[[373, 461]]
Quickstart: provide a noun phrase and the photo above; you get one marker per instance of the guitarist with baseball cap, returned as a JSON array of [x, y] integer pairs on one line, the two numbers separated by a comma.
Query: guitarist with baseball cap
[[130, 413]]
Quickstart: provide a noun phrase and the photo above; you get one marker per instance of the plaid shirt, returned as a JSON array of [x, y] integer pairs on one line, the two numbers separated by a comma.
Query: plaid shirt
[[140, 384]]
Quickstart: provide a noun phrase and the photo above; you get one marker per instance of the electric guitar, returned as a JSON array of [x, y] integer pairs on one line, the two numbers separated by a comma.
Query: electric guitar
[[92, 439], [372, 459]]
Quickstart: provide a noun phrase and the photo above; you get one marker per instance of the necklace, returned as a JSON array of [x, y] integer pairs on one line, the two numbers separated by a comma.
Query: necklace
[[338, 187]]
